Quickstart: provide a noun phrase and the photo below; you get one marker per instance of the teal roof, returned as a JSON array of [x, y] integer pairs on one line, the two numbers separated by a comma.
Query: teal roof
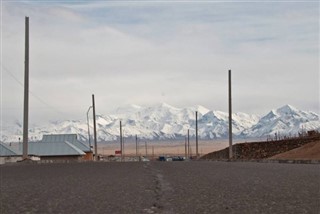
[[43, 149], [53, 149], [71, 138], [6, 150], [59, 138], [51, 145]]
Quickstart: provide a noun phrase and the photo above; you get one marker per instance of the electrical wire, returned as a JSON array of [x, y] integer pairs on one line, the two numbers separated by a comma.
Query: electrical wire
[[32, 93]]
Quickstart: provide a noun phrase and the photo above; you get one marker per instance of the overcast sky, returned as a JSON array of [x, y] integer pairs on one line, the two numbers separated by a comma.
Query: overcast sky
[[149, 52]]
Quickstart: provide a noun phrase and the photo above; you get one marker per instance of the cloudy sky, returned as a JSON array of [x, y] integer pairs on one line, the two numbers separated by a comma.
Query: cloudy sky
[[149, 52]]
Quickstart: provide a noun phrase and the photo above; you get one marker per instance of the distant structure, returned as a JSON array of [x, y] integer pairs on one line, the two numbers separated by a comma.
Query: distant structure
[[185, 147], [89, 137], [56, 147], [188, 135], [121, 142], [197, 153], [230, 117], [146, 147], [69, 138], [94, 129], [137, 145], [8, 154], [26, 91]]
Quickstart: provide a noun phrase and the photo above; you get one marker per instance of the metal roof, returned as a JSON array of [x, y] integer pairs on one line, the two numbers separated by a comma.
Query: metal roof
[[59, 138], [6, 150], [53, 149], [71, 138], [51, 145]]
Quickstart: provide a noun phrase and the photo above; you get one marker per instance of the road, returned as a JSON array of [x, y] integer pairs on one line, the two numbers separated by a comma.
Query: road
[[160, 187]]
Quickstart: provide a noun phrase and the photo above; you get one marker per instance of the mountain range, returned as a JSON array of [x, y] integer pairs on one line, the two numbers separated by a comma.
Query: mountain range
[[163, 122]]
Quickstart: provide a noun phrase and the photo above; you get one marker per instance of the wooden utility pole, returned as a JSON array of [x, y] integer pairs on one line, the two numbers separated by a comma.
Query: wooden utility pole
[[121, 143], [123, 152], [94, 129], [145, 144], [188, 144], [26, 92], [89, 127], [185, 147], [137, 145], [230, 117], [197, 153]]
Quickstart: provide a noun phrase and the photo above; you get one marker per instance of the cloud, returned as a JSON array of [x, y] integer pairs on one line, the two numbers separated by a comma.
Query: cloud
[[147, 53]]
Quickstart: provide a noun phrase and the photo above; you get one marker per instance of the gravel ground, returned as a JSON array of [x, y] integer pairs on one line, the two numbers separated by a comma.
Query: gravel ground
[[160, 187]]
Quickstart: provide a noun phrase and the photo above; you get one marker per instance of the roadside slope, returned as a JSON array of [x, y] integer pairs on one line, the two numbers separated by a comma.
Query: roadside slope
[[263, 150], [310, 151]]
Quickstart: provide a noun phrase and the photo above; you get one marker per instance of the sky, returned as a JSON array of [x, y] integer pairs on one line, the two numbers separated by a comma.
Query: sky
[[151, 52]]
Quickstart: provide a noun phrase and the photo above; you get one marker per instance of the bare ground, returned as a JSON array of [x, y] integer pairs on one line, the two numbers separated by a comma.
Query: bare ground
[[267, 149], [310, 151], [162, 148]]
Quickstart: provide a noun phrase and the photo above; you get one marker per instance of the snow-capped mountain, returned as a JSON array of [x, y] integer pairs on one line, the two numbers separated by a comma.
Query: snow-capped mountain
[[167, 122], [215, 124], [286, 120]]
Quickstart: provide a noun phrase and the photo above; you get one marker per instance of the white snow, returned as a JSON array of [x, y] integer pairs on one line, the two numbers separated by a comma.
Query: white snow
[[164, 121]]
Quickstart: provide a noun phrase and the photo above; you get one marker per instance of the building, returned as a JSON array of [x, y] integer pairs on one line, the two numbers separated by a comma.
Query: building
[[8, 154], [70, 138], [64, 147], [55, 151]]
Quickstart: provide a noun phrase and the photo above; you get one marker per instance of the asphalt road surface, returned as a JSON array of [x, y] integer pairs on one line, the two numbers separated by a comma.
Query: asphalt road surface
[[160, 187]]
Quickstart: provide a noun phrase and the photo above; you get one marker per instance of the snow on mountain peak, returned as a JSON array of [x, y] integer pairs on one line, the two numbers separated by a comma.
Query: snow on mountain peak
[[165, 105], [127, 109], [164, 121], [201, 109], [286, 120], [287, 109]]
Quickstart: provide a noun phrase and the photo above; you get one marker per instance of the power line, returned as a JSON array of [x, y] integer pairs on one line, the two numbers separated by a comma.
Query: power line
[[30, 92]]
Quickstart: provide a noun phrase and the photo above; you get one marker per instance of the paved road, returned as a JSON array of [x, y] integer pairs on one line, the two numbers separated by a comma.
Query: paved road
[[160, 187]]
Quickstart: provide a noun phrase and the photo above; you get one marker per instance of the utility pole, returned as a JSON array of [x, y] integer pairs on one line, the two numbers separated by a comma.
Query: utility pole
[[26, 92], [145, 143], [137, 145], [121, 146], [230, 117], [94, 129], [197, 153], [188, 145], [185, 147], [124, 156], [89, 127]]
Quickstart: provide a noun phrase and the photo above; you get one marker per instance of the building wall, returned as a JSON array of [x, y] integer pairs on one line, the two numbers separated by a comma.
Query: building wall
[[61, 158], [11, 159], [88, 156]]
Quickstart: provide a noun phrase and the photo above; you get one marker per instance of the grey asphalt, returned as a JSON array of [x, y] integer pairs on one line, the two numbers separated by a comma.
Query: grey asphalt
[[160, 187]]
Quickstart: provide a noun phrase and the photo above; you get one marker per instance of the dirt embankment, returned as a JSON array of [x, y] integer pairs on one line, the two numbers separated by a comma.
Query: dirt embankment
[[310, 151], [264, 150]]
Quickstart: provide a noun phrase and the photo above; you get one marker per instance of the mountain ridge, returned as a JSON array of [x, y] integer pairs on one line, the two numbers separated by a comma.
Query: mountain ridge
[[163, 122]]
